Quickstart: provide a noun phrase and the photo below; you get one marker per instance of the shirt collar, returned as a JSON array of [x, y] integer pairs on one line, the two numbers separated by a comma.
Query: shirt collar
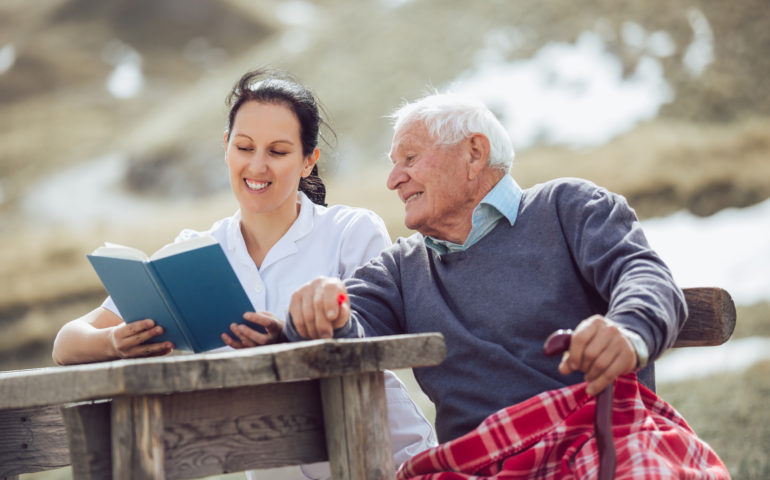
[[502, 201], [286, 245], [504, 197]]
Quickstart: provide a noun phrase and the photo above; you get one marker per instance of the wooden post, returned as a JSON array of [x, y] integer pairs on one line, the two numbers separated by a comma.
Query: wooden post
[[88, 432], [137, 443], [357, 432]]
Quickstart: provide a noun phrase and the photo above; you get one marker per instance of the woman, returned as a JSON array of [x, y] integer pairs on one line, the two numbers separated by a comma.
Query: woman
[[281, 237]]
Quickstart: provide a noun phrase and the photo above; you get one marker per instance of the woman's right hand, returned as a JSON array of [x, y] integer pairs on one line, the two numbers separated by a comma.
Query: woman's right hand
[[243, 336], [128, 340]]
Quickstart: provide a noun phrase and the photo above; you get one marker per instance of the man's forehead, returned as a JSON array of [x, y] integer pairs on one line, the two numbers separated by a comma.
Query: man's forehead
[[415, 132]]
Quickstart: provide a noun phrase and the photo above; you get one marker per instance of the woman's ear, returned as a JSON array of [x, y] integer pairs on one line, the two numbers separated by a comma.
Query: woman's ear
[[479, 154], [310, 162]]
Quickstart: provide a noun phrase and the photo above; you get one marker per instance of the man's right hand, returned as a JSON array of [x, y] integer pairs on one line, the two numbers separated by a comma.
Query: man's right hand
[[316, 310]]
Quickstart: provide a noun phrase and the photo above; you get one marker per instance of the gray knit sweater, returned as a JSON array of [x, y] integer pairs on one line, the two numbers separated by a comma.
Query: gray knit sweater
[[574, 250]]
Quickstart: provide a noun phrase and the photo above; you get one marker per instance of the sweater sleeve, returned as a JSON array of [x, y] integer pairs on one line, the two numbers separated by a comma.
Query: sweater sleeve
[[613, 255], [374, 292], [376, 301]]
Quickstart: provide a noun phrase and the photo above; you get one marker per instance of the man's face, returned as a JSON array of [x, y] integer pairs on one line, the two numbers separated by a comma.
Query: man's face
[[432, 181]]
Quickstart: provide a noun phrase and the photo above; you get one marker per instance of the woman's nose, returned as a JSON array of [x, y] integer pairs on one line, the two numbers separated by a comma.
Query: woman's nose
[[258, 161]]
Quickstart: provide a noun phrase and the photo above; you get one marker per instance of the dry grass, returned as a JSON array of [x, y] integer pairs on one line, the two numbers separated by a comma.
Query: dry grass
[[730, 413], [666, 166]]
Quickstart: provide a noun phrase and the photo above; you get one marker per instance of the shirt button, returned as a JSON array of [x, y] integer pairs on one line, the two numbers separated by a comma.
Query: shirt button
[[259, 287]]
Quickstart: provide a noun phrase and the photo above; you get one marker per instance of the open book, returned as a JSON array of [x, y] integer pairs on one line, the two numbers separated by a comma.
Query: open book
[[187, 287]]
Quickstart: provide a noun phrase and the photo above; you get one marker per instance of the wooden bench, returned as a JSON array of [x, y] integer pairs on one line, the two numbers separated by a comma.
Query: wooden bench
[[200, 415]]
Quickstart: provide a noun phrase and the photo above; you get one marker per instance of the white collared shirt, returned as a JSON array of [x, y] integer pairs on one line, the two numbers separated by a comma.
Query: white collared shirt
[[322, 241]]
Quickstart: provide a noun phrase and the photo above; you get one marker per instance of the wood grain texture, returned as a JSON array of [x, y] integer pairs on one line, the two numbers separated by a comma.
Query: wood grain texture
[[32, 440], [137, 438], [181, 373], [88, 434], [711, 317], [222, 431], [357, 432]]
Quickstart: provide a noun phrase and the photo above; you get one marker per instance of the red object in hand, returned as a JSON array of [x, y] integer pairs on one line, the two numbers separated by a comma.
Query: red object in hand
[[341, 298]]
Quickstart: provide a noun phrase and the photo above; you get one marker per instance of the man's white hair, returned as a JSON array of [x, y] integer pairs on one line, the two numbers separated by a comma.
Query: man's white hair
[[451, 118]]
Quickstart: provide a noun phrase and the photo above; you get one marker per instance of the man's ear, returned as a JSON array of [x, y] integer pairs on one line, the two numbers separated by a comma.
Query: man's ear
[[310, 162], [479, 155]]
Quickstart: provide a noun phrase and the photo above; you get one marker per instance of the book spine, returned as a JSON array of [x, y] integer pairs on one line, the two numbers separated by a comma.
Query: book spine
[[161, 287]]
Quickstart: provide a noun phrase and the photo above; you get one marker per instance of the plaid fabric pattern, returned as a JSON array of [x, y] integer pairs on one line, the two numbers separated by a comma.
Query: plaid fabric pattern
[[551, 436]]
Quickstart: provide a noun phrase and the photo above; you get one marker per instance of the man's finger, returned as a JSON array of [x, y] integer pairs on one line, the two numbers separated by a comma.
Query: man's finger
[[295, 312], [309, 313], [593, 350], [323, 313], [605, 377]]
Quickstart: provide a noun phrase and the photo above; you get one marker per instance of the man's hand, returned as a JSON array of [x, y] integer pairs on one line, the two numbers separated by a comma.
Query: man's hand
[[316, 310], [128, 340], [246, 337], [600, 350]]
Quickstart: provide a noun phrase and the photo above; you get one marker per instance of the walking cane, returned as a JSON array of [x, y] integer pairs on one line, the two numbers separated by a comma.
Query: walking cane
[[558, 342]]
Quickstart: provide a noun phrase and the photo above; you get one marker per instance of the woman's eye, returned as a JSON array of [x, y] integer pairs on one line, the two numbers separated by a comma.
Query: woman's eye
[[245, 149], [279, 153]]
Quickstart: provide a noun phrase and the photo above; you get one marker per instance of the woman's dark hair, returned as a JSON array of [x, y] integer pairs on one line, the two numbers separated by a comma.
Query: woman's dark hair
[[272, 86]]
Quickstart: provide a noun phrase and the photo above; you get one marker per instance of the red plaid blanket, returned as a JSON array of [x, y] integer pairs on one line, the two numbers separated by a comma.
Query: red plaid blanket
[[551, 436]]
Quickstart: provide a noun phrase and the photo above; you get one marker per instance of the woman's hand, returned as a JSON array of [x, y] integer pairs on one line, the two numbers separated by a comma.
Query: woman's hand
[[247, 337], [128, 340]]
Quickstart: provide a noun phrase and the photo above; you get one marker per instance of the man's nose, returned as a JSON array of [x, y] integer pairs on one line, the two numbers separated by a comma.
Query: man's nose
[[397, 177]]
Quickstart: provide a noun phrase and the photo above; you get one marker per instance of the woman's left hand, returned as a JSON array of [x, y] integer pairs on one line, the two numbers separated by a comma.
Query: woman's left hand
[[246, 337]]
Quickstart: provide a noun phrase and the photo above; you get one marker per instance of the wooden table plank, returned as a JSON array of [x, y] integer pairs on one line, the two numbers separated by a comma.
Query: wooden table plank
[[181, 373]]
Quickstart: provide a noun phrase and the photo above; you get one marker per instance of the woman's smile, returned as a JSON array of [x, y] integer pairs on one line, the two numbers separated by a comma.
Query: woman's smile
[[256, 185]]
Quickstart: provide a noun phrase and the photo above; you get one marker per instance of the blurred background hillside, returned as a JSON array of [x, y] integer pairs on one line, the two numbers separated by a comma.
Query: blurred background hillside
[[112, 113]]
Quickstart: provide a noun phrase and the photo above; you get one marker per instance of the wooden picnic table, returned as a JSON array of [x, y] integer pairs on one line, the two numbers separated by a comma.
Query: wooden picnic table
[[192, 416]]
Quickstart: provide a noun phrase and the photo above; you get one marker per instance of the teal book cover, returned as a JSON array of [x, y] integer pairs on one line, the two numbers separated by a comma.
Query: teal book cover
[[188, 287]]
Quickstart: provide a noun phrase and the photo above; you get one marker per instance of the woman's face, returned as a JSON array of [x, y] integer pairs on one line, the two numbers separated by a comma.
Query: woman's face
[[264, 156]]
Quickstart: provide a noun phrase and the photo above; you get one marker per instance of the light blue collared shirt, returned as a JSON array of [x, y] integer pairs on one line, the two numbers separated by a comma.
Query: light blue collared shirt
[[502, 201]]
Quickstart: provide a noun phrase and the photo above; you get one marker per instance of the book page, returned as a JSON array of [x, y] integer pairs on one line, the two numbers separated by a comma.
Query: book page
[[115, 250], [183, 246]]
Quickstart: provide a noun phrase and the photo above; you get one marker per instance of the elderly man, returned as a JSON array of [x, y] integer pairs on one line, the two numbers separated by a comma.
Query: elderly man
[[496, 269]]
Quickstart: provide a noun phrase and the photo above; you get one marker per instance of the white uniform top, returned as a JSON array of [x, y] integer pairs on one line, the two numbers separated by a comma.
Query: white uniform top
[[322, 241]]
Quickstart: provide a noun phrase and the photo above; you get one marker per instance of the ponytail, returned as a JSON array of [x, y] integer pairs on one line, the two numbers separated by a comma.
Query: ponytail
[[313, 187]]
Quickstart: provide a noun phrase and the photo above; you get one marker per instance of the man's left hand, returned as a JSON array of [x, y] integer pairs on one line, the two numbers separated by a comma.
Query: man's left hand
[[600, 350]]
